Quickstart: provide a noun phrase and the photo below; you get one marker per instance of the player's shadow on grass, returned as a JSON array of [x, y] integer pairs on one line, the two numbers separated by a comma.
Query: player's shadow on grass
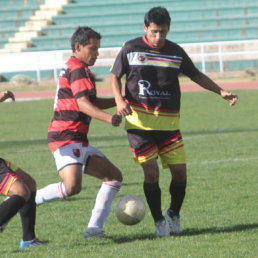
[[131, 238], [187, 232], [217, 230]]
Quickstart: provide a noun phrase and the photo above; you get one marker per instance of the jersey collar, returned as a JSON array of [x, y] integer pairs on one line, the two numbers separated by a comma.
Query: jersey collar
[[147, 42]]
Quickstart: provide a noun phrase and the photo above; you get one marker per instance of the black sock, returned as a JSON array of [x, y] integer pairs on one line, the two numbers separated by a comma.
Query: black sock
[[153, 197], [10, 207], [177, 191], [28, 218]]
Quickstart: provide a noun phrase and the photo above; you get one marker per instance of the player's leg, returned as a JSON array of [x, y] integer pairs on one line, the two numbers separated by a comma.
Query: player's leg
[[145, 153], [23, 188], [153, 196], [177, 191], [51, 192], [177, 187], [27, 179], [72, 179], [101, 168], [69, 165], [28, 211], [173, 156], [18, 194], [14, 188], [151, 188], [71, 176]]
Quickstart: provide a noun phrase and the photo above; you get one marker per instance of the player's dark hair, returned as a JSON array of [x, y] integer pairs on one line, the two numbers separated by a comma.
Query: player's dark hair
[[82, 35], [158, 15]]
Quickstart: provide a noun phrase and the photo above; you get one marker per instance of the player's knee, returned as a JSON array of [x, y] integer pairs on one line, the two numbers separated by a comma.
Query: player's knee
[[151, 178], [33, 185], [27, 196], [151, 172], [118, 176], [73, 190], [120, 179], [178, 172], [21, 190], [112, 175]]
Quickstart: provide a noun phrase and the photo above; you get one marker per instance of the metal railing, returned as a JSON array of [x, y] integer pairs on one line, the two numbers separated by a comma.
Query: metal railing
[[199, 52]]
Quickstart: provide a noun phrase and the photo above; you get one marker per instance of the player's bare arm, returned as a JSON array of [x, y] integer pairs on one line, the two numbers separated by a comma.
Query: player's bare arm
[[104, 103], [93, 111], [123, 108], [6, 95], [208, 84]]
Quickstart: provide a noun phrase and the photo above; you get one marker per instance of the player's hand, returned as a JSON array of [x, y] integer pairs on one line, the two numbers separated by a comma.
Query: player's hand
[[116, 119], [6, 95], [124, 109], [231, 97]]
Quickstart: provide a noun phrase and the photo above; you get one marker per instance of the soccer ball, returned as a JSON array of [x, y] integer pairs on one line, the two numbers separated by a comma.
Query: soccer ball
[[130, 209]]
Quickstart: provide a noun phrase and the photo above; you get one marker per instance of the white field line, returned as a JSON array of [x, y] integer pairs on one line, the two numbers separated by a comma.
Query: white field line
[[199, 162], [204, 162], [25, 99], [30, 99]]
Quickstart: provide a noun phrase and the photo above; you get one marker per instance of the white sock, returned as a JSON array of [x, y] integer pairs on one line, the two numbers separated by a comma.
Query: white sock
[[51, 192], [105, 196]]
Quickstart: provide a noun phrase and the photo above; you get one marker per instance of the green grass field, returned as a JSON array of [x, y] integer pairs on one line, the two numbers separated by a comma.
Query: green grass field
[[220, 212]]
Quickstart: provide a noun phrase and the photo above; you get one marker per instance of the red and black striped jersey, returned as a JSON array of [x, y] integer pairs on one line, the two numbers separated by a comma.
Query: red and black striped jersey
[[69, 125], [152, 85]]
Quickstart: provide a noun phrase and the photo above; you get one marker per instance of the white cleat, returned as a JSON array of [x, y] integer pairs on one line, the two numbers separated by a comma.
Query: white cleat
[[174, 222], [94, 232], [161, 228]]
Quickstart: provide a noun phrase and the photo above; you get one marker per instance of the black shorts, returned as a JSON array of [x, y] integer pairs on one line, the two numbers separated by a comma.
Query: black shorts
[[146, 145]]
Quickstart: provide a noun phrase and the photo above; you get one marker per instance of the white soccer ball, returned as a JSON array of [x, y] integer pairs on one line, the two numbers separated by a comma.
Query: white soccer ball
[[130, 209]]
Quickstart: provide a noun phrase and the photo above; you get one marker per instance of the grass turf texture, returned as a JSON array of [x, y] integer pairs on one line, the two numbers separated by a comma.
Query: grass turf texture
[[219, 215]]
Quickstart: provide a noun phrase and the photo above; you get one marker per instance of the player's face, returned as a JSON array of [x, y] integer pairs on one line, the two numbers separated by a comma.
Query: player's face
[[156, 34], [89, 53]]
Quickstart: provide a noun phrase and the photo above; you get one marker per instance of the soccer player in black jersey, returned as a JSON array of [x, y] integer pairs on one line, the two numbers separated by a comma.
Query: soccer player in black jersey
[[151, 108], [20, 188]]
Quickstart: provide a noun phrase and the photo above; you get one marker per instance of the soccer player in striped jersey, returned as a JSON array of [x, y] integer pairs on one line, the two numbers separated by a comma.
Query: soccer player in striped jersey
[[151, 106], [20, 189], [75, 104]]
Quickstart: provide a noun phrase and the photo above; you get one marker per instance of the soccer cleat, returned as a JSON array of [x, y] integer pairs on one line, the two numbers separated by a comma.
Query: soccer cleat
[[161, 228], [174, 222], [94, 232], [34, 242]]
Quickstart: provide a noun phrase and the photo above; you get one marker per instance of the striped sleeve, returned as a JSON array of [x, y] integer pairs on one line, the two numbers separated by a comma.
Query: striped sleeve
[[81, 83]]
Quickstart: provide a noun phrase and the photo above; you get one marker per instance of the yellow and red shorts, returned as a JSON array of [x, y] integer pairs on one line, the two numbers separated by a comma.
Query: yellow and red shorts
[[7, 175], [150, 144]]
